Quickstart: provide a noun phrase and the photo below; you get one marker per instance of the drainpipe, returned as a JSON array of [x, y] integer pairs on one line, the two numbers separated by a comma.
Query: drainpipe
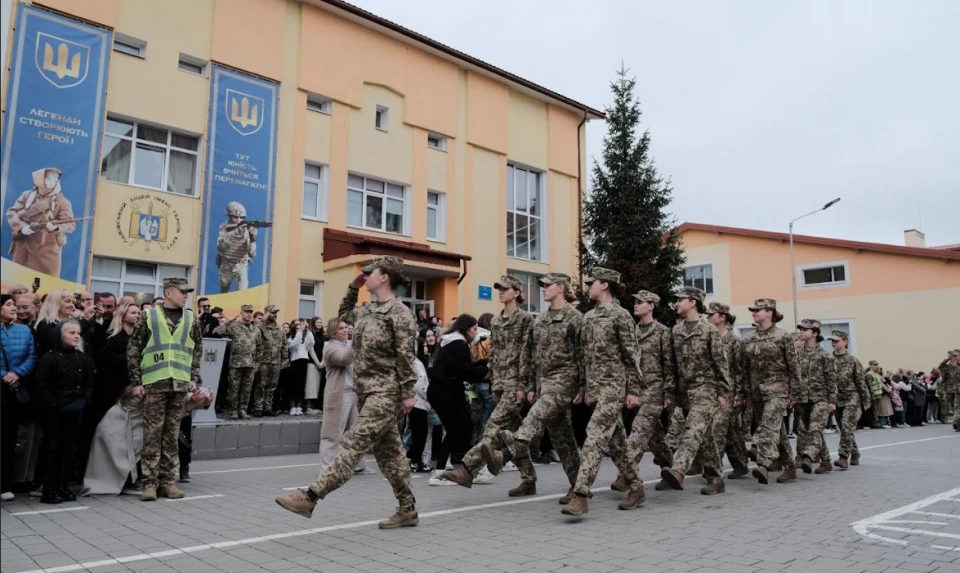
[[580, 199], [463, 275]]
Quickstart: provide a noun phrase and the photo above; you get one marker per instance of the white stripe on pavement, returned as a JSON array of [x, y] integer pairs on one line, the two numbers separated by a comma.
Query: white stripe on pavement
[[45, 511], [910, 442], [314, 465], [190, 498]]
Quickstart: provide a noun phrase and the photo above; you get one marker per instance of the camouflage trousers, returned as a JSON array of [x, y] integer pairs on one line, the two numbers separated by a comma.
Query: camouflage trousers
[[505, 416], [263, 395], [956, 408], [771, 437], [240, 385], [697, 436], [230, 270], [675, 431], [811, 420], [551, 412], [647, 434], [375, 430], [160, 460], [728, 435], [847, 417], [605, 434]]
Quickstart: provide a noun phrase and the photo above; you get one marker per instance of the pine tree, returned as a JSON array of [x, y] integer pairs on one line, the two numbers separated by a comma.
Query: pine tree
[[625, 224]]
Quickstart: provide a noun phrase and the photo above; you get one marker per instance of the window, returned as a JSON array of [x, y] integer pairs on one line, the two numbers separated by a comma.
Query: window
[[700, 276], [375, 204], [437, 142], [532, 294], [319, 103], [417, 291], [524, 213], [192, 65], [315, 192], [824, 275], [308, 303], [382, 121], [436, 216], [129, 45], [143, 281], [827, 328], [137, 154]]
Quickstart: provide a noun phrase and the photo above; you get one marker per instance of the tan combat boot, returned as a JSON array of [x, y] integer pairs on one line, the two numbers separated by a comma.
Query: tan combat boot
[[855, 460], [577, 506], [788, 475], [566, 498], [400, 518], [806, 464], [673, 478], [662, 485], [299, 503], [825, 467], [525, 488], [761, 473], [493, 458], [148, 493], [714, 487], [244, 415], [460, 476], [634, 499], [170, 491], [841, 463], [620, 484], [738, 473], [233, 416]]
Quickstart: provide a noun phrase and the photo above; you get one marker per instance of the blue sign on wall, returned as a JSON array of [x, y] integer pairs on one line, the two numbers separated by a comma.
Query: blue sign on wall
[[238, 204], [51, 147], [485, 292]]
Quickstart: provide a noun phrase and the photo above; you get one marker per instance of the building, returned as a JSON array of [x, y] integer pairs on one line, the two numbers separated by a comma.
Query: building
[[342, 134], [900, 305]]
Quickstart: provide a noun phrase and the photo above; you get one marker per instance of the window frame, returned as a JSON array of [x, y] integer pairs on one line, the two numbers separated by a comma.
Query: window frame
[[323, 193], [138, 45], [527, 276], [187, 59], [405, 189], [441, 141], [126, 279], [713, 279], [541, 217], [826, 328], [441, 211], [319, 103], [381, 118], [316, 298], [802, 279], [168, 147]]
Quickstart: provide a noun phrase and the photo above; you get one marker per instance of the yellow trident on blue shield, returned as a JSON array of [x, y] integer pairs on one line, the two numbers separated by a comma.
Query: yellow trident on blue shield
[[244, 112], [61, 62]]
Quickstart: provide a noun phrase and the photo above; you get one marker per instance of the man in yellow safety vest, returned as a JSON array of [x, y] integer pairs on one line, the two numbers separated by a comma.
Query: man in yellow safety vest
[[163, 357]]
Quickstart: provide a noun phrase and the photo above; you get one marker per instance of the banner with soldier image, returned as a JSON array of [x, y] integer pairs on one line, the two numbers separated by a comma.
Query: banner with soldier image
[[51, 148], [238, 204]]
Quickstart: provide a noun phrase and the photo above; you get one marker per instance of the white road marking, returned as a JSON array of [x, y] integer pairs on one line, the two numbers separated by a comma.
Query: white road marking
[[951, 516], [947, 548], [192, 497], [864, 526], [910, 442], [45, 511], [313, 465]]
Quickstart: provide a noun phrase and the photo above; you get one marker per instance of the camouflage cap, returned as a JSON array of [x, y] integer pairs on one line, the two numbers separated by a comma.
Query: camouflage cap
[[177, 283], [271, 308], [809, 324], [764, 304], [953, 352], [554, 278], [602, 274], [246, 307], [507, 282], [874, 363], [385, 263], [647, 296], [690, 292], [839, 335], [717, 308]]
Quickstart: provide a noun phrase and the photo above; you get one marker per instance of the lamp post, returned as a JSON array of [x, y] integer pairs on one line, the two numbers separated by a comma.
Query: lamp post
[[793, 266]]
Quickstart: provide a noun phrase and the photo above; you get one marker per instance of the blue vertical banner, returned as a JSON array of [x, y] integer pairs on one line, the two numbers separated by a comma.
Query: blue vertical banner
[[51, 148], [238, 202]]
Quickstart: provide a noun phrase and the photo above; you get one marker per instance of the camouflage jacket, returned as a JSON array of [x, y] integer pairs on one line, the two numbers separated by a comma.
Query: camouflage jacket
[[816, 384], [559, 362], [701, 363], [383, 344], [733, 350], [611, 354], [245, 341], [273, 348], [949, 377], [138, 341], [847, 373], [771, 367], [657, 364], [511, 351]]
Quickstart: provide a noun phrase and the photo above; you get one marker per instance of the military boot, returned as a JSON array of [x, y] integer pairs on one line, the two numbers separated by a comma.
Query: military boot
[[243, 415], [233, 416], [401, 518], [738, 473], [825, 467], [788, 475], [715, 486], [493, 458], [695, 470], [620, 484], [841, 462], [578, 506], [148, 493], [806, 464], [761, 473], [634, 499], [299, 503], [855, 460], [525, 488], [170, 491], [460, 476], [673, 478]]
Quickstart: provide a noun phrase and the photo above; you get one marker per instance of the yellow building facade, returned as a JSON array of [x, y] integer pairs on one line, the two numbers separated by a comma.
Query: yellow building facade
[[386, 143]]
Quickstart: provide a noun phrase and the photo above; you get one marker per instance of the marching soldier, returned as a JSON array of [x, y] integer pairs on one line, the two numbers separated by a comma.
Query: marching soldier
[[950, 376], [853, 398], [245, 342], [236, 247], [727, 425], [816, 400], [384, 375], [163, 358], [274, 355]]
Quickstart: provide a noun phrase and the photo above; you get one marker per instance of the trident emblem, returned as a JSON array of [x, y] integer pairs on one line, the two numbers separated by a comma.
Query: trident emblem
[[61, 62], [244, 112]]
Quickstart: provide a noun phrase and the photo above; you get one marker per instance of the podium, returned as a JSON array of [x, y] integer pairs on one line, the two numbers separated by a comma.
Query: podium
[[214, 350]]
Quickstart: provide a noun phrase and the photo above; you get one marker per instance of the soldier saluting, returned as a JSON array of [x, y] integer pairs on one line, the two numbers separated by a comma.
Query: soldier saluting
[[236, 246]]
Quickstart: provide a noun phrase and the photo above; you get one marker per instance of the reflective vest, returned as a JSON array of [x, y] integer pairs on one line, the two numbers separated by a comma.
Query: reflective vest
[[167, 355]]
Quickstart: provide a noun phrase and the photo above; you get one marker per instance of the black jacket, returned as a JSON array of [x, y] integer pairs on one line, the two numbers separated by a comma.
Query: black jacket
[[112, 374], [452, 369], [64, 377]]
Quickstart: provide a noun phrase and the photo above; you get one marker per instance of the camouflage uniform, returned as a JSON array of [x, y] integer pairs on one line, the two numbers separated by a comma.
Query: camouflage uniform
[[245, 340], [703, 378], [817, 391], [273, 354], [771, 371], [511, 366], [558, 378], [384, 375], [236, 247], [950, 381], [852, 394], [728, 424], [164, 401], [656, 362], [611, 360]]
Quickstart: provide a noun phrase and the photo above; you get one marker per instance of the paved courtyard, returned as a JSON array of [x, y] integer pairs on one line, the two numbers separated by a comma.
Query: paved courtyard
[[898, 511]]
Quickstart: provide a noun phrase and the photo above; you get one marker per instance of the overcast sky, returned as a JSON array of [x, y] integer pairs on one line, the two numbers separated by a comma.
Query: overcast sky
[[759, 111]]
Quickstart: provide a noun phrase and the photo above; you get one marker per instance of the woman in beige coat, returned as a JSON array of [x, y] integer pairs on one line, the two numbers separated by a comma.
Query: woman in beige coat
[[339, 400]]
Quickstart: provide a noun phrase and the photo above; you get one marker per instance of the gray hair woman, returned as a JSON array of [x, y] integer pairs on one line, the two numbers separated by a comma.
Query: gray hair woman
[[339, 400]]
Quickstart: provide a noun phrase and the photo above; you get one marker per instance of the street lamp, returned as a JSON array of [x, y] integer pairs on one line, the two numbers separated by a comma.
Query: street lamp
[[793, 266]]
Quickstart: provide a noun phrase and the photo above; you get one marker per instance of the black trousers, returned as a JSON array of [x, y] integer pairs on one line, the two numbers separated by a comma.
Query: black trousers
[[60, 431], [455, 416], [418, 434], [185, 442], [9, 426]]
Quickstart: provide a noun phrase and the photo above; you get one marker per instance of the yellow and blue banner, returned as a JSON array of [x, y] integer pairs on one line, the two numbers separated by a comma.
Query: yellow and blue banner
[[238, 204], [51, 148]]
